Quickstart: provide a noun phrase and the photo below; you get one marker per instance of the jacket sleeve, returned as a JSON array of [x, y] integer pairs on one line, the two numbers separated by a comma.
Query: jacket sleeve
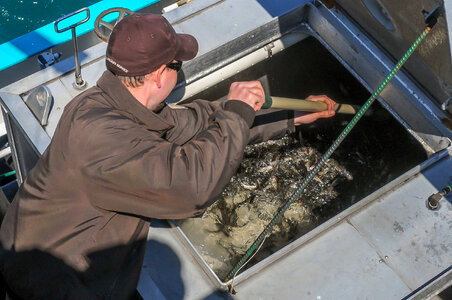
[[268, 123], [188, 119], [271, 124], [130, 169]]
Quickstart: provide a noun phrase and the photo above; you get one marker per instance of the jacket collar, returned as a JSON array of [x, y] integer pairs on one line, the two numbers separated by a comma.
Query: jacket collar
[[122, 99]]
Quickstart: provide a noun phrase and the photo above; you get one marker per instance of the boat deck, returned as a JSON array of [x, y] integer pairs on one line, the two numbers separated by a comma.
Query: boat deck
[[387, 246]]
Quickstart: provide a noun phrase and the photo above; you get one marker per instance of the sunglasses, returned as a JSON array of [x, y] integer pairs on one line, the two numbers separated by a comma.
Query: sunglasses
[[176, 66]]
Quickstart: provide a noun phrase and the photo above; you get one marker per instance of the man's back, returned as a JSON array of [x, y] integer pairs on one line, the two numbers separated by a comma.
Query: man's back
[[108, 168], [53, 219]]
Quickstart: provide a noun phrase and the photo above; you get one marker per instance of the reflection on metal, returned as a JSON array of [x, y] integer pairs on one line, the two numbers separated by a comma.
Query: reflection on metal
[[79, 82], [379, 13], [446, 103], [39, 102]]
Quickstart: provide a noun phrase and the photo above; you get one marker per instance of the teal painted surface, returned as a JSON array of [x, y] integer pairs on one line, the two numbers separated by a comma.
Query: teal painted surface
[[19, 49], [18, 17]]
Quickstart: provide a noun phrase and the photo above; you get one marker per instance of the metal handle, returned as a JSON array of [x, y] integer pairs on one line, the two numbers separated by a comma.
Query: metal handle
[[70, 15], [79, 82]]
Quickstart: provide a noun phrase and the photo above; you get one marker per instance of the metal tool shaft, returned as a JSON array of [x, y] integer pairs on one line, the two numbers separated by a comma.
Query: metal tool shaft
[[78, 72]]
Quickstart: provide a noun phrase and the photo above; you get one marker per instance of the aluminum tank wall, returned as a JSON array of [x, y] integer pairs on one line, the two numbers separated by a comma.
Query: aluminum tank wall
[[270, 170], [395, 25]]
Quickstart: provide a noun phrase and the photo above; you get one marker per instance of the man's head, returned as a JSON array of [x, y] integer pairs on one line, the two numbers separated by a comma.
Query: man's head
[[142, 43], [144, 52]]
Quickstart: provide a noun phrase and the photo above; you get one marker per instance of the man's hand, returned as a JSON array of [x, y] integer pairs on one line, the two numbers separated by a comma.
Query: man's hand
[[250, 92], [306, 118]]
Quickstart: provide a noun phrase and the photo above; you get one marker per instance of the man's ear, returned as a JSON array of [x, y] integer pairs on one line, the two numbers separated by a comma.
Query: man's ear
[[157, 75]]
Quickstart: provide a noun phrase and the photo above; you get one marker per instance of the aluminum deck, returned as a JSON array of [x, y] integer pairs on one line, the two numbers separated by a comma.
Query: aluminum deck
[[387, 246]]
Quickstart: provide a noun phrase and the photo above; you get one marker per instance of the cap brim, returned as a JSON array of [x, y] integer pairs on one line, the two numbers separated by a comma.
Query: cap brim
[[187, 47]]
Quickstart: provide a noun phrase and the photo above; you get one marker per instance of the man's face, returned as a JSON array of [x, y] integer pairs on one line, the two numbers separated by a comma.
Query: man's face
[[159, 84], [169, 80]]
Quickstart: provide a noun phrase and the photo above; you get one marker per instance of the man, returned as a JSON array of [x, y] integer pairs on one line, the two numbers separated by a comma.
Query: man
[[77, 227]]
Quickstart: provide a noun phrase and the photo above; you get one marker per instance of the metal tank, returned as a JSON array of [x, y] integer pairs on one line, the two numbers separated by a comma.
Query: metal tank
[[385, 243], [394, 25]]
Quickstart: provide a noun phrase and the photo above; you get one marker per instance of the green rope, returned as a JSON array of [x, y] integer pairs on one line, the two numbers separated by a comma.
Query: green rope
[[10, 173], [325, 157]]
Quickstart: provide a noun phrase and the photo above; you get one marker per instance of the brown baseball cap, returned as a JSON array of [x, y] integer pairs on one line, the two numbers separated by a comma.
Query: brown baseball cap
[[140, 43]]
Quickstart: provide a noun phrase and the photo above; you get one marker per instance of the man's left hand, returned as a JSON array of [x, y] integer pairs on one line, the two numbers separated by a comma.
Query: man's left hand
[[307, 118]]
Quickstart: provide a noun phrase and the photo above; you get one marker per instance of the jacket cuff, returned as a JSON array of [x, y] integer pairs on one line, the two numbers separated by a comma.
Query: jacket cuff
[[242, 109]]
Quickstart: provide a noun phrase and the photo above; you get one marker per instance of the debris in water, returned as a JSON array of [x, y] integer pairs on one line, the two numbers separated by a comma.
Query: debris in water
[[266, 178]]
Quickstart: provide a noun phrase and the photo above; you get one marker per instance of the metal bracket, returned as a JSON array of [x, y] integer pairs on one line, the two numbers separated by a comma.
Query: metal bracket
[[47, 59], [40, 102], [445, 104], [269, 48], [79, 82], [432, 17]]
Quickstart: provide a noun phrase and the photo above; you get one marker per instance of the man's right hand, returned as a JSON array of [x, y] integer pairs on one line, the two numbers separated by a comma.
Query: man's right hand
[[306, 118], [250, 92]]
